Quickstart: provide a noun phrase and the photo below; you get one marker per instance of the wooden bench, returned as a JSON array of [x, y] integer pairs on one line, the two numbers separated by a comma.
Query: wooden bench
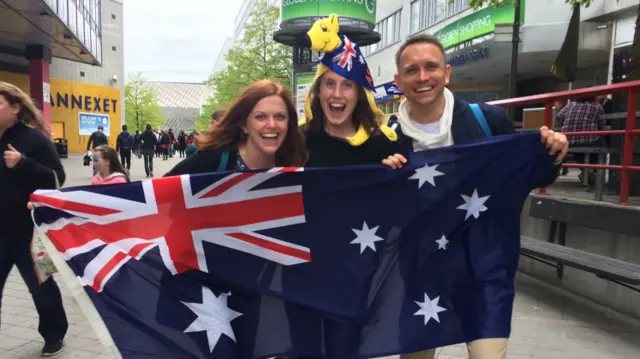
[[554, 252], [623, 273], [602, 153]]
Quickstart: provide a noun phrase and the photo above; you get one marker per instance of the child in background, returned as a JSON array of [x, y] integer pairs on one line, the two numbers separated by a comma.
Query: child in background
[[107, 167]]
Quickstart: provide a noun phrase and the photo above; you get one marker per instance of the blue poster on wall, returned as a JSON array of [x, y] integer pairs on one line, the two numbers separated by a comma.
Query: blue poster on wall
[[88, 123]]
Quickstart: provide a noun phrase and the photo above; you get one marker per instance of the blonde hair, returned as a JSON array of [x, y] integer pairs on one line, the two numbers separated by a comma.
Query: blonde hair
[[29, 114]]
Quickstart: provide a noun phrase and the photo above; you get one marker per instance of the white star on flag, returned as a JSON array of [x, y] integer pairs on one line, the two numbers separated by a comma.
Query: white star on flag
[[474, 204], [366, 237], [426, 174], [429, 309], [361, 59], [442, 243], [214, 317]]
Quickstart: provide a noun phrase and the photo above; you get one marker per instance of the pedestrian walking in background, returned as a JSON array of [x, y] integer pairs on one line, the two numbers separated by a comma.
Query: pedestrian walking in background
[[182, 143], [98, 138], [148, 148], [29, 162], [124, 145]]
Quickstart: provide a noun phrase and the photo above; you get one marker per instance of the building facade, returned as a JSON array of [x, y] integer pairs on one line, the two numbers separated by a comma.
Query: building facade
[[478, 44], [180, 103], [238, 27], [81, 74]]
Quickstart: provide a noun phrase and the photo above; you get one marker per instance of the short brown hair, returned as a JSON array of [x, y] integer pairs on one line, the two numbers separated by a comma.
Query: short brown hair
[[419, 39], [227, 133]]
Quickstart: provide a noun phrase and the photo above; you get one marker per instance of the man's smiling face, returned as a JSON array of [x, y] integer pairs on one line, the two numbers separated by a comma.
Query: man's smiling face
[[422, 73]]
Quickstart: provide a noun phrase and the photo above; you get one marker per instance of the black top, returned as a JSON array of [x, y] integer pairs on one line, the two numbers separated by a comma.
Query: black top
[[97, 139], [204, 162], [328, 151], [149, 141], [37, 169]]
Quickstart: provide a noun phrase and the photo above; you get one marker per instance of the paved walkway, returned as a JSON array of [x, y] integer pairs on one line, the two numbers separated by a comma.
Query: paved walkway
[[547, 324]]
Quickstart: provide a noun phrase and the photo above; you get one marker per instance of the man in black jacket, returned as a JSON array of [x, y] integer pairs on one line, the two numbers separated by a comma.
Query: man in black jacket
[[97, 139], [124, 145], [149, 142]]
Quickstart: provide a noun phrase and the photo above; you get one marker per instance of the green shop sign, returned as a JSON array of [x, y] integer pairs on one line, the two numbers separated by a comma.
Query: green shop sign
[[364, 10], [479, 23]]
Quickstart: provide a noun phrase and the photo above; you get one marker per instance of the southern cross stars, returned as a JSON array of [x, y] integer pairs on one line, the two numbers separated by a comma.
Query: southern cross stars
[[442, 242], [426, 174], [366, 237], [473, 205], [214, 317], [429, 309]]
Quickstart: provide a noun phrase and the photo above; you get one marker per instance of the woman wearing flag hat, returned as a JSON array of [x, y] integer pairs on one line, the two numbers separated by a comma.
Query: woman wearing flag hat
[[343, 125]]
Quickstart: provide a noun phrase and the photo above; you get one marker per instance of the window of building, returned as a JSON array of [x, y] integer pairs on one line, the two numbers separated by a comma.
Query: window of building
[[426, 13], [389, 29], [113, 48], [414, 25], [81, 73], [113, 16]]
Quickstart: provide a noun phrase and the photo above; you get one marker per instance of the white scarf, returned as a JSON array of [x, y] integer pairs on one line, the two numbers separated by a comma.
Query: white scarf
[[421, 139]]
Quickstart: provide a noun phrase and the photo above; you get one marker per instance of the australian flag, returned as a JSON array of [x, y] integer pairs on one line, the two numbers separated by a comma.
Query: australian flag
[[351, 262]]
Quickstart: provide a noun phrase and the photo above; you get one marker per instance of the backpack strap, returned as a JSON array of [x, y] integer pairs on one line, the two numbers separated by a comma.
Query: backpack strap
[[482, 121], [223, 161]]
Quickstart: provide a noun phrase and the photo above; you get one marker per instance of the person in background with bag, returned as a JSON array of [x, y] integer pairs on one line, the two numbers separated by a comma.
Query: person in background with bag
[[432, 117], [98, 138], [29, 162], [124, 146]]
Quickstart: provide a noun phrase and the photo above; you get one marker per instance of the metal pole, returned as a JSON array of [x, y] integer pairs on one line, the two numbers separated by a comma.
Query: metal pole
[[513, 77]]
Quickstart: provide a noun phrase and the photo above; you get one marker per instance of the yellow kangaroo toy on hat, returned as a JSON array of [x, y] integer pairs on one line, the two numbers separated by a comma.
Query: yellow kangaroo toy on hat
[[324, 34], [344, 57]]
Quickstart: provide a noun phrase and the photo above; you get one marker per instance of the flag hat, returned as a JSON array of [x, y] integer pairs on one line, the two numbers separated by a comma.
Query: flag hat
[[343, 56]]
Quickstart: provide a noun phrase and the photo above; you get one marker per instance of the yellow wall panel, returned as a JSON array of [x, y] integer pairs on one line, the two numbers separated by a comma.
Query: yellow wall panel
[[69, 99]]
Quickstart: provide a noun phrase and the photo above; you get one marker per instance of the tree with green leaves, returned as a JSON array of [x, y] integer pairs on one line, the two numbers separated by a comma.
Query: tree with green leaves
[[141, 105], [256, 56]]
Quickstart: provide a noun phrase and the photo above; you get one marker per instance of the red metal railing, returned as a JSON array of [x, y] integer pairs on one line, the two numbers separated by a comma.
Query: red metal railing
[[631, 88]]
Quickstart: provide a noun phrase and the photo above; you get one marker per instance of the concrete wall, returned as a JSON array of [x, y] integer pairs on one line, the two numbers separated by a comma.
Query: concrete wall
[[112, 60], [601, 291]]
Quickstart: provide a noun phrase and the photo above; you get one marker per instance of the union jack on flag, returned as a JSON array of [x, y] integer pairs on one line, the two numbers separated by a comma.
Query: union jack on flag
[[126, 229], [347, 61], [345, 58]]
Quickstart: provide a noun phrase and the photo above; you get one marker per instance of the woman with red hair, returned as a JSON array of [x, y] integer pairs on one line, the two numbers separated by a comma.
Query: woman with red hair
[[259, 131]]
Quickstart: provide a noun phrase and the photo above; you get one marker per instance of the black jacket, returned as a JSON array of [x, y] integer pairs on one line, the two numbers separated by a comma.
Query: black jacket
[[125, 141], [97, 139], [465, 129], [328, 151], [149, 141], [203, 162], [38, 169]]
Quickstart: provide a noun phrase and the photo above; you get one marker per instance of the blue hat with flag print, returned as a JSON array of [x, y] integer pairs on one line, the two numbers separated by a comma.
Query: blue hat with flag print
[[343, 56]]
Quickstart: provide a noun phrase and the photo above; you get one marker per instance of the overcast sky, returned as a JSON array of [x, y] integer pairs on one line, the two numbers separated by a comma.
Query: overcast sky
[[176, 40]]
